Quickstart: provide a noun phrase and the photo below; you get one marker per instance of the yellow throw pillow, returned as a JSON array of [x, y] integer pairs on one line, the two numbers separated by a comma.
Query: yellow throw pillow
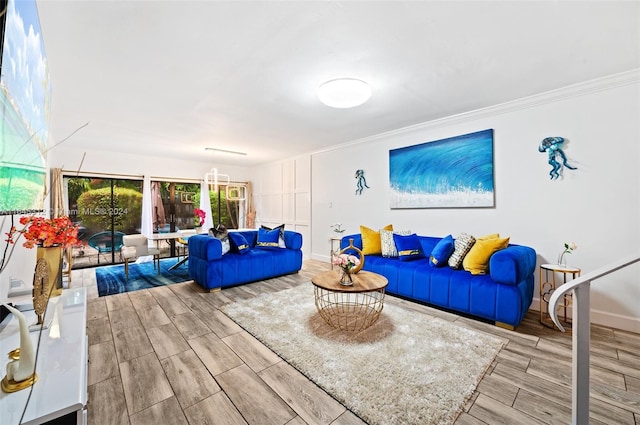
[[371, 244], [477, 260]]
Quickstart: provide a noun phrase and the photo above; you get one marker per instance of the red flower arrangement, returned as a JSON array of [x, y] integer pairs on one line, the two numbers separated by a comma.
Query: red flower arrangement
[[45, 232], [199, 216]]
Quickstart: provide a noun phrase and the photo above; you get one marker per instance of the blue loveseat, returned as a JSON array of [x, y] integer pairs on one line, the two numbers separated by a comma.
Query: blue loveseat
[[502, 296], [213, 270]]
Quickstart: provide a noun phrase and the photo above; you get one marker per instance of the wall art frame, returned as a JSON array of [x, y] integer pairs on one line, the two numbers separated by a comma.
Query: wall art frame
[[457, 172]]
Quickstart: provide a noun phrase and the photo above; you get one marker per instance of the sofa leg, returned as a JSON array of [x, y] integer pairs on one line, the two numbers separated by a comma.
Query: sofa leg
[[215, 290], [505, 326]]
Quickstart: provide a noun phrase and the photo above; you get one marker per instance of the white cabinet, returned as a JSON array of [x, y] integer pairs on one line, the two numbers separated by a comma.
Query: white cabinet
[[61, 365]]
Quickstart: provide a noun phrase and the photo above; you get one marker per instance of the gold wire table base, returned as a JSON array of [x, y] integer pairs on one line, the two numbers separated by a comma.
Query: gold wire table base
[[548, 285], [349, 311]]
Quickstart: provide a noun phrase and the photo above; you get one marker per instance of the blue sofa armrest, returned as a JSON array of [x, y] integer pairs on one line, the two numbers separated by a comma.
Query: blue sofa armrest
[[513, 264], [205, 247], [293, 240]]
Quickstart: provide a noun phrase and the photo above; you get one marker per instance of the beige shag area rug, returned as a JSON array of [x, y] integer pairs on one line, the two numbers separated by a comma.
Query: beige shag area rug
[[408, 368]]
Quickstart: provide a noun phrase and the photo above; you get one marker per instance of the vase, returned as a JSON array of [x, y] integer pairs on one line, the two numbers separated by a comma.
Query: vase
[[354, 250], [53, 256], [561, 261], [198, 229], [345, 278]]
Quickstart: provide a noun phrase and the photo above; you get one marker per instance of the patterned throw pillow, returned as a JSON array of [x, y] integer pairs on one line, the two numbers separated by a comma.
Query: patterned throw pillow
[[463, 244], [221, 232], [371, 244], [387, 244]]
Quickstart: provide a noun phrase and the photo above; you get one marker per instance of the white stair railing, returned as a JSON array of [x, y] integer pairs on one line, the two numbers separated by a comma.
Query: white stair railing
[[581, 333]]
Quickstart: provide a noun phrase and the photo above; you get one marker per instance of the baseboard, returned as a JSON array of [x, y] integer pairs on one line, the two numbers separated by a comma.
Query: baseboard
[[617, 321], [321, 257], [603, 318]]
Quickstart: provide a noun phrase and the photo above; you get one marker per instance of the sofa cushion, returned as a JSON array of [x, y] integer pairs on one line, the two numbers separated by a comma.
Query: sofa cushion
[[239, 242], [280, 229], [409, 247], [442, 251], [477, 260], [268, 239], [371, 244]]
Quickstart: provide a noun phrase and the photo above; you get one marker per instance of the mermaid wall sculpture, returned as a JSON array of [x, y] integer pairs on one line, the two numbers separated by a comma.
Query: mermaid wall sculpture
[[553, 147], [361, 182], [21, 370]]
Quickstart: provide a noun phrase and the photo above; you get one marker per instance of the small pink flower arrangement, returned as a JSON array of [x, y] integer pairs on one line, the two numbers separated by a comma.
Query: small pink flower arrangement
[[199, 216], [346, 262]]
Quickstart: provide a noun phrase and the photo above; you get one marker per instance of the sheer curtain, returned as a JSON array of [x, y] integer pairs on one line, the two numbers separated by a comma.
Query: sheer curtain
[[58, 209], [250, 221], [57, 193], [205, 205], [147, 217]]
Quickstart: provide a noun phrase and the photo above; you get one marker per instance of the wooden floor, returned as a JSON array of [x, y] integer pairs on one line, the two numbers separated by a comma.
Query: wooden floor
[[169, 356]]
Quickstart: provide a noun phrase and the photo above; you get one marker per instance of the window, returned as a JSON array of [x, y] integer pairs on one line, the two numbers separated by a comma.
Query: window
[[104, 209]]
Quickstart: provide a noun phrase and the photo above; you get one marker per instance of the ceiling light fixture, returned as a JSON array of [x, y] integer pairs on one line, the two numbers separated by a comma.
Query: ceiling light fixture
[[225, 151], [344, 92], [215, 179]]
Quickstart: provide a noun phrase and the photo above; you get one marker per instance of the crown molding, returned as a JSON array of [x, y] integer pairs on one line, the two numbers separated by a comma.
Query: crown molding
[[575, 90]]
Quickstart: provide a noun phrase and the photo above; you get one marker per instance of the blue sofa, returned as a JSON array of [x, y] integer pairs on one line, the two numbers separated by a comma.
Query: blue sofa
[[213, 270], [502, 296]]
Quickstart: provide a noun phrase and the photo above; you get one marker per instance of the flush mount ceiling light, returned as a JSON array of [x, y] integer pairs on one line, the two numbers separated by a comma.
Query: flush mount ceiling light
[[344, 92], [225, 151]]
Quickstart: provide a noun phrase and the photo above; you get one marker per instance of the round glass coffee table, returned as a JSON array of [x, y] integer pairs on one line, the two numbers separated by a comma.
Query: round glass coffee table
[[349, 308]]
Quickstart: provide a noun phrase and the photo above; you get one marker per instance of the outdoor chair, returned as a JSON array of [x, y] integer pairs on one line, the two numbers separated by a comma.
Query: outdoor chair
[[136, 246], [182, 242], [103, 242]]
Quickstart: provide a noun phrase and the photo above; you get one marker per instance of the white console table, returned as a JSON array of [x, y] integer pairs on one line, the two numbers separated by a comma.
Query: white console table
[[61, 365]]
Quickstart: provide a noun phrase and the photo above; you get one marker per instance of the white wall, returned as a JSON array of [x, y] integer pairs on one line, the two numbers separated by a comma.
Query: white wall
[[596, 206], [282, 194]]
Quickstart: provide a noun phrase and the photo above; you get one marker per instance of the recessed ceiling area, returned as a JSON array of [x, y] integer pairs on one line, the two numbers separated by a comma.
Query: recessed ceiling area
[[170, 78]]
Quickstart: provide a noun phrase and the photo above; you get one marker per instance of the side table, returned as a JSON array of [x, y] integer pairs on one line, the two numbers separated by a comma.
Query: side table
[[60, 395], [548, 284], [335, 248]]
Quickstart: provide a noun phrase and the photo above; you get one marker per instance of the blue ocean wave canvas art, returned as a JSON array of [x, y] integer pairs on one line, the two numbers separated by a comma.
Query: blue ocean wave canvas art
[[450, 173]]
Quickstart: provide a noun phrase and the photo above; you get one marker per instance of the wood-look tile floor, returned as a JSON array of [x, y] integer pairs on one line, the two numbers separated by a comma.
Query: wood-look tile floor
[[167, 356]]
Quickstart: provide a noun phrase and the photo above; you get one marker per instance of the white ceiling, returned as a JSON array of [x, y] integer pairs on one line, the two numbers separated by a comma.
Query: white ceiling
[[173, 77]]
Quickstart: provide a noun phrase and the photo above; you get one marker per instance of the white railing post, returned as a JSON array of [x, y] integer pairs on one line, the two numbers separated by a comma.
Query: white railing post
[[581, 341], [581, 338]]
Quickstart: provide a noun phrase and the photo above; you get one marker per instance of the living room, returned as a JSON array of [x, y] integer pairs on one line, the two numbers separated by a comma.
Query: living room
[[597, 205]]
